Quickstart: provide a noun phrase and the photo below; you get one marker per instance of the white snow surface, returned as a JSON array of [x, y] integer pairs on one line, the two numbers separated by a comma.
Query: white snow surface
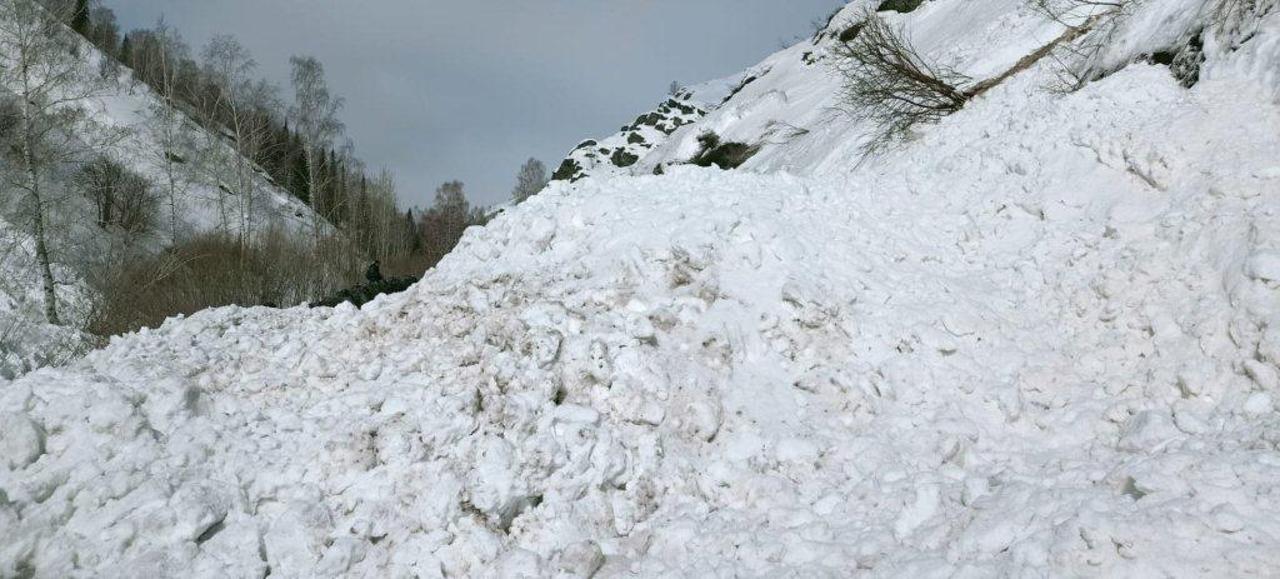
[[1041, 339]]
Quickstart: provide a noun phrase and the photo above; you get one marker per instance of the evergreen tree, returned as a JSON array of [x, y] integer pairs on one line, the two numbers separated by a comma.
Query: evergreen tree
[[411, 229], [126, 51], [300, 176], [80, 18]]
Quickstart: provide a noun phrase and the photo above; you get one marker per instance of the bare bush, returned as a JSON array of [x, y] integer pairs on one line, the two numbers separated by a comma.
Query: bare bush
[[1091, 26], [723, 154], [123, 198], [889, 84], [1238, 19], [215, 270]]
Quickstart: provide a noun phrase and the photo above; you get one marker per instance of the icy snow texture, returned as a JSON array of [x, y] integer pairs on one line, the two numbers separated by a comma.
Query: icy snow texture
[[1043, 338]]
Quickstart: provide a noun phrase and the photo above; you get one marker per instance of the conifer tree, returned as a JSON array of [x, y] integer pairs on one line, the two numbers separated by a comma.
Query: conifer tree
[[80, 18], [126, 51]]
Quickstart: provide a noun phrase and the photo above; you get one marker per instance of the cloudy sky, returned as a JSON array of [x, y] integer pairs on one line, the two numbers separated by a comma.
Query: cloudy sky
[[469, 89]]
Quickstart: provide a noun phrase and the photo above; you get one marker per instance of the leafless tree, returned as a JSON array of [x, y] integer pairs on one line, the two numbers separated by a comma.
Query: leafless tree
[[253, 131], [1091, 25], [105, 33], [315, 115], [39, 66], [123, 198], [386, 219], [237, 103], [889, 84], [531, 179], [168, 123]]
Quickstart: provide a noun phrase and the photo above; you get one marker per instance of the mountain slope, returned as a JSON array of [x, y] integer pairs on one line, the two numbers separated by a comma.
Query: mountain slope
[[615, 154], [128, 107], [1040, 339], [26, 341]]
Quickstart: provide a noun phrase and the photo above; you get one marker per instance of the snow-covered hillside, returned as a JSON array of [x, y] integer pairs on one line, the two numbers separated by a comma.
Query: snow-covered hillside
[[1040, 339], [127, 110], [26, 341], [616, 154]]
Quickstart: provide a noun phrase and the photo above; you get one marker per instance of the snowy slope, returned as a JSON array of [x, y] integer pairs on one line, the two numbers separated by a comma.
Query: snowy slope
[[129, 107], [26, 341], [1043, 338], [616, 154], [125, 106]]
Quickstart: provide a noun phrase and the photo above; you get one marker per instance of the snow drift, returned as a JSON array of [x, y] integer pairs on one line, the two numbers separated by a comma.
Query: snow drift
[[1040, 339]]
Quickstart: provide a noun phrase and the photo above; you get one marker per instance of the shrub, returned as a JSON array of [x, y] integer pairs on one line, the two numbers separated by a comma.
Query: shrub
[[887, 83], [623, 159], [123, 199], [364, 293], [1076, 53], [903, 6], [725, 155], [569, 170], [217, 270]]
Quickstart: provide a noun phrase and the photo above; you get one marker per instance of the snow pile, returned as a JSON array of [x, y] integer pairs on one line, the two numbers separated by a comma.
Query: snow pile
[[1043, 338]]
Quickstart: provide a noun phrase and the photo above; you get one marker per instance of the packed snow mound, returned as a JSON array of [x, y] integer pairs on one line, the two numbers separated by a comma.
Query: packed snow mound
[[1040, 339]]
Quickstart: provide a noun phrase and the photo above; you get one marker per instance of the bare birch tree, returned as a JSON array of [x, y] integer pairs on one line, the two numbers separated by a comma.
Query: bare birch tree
[[315, 115], [168, 123], [530, 180], [239, 104], [38, 64]]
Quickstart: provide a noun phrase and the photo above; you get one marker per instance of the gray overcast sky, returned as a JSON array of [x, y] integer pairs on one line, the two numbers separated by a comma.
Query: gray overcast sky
[[469, 89]]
